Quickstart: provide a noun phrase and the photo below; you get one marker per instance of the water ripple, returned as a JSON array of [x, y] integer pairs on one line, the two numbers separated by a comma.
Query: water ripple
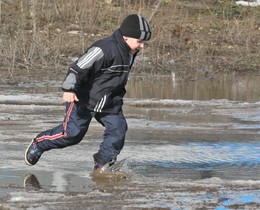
[[204, 155]]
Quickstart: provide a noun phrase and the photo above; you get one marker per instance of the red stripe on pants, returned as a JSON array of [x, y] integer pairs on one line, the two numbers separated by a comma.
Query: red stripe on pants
[[58, 135]]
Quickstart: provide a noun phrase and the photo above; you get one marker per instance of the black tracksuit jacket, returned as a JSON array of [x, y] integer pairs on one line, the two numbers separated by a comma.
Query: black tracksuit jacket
[[99, 76]]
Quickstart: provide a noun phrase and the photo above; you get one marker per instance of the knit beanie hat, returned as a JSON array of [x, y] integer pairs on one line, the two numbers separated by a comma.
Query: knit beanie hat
[[135, 26]]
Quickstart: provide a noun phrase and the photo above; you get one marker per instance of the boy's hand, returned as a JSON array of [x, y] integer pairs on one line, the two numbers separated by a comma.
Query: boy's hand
[[70, 97]]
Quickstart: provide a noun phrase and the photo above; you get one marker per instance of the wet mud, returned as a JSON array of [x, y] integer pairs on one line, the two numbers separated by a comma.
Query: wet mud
[[184, 149]]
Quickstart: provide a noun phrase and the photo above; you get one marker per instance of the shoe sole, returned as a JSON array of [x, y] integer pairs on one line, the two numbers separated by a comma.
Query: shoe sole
[[25, 154]]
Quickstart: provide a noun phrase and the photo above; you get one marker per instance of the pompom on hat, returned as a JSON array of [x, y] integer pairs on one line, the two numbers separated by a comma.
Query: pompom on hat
[[136, 26]]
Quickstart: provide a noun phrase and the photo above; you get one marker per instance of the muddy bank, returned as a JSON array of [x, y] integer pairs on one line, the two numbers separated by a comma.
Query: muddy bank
[[208, 36]]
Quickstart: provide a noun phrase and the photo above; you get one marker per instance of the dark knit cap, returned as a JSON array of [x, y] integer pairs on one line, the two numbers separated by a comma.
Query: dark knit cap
[[135, 26]]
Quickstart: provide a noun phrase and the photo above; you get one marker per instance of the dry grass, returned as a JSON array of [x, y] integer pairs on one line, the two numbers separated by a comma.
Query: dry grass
[[204, 35]]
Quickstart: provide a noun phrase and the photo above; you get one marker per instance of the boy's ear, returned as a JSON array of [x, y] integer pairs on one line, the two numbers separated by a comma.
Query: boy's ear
[[125, 38]]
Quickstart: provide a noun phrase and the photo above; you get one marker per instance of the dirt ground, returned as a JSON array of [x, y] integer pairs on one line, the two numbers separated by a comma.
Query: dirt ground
[[206, 36]]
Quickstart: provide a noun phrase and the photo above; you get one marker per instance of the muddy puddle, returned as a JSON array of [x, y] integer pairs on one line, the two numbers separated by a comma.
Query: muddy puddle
[[192, 144]]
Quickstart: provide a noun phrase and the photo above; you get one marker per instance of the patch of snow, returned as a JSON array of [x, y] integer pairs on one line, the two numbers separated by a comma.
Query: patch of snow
[[248, 3]]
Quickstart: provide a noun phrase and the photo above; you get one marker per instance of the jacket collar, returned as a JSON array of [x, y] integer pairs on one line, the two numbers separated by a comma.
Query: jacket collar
[[121, 42]]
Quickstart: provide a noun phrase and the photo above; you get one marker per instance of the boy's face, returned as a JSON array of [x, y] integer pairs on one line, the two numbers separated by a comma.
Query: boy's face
[[134, 44]]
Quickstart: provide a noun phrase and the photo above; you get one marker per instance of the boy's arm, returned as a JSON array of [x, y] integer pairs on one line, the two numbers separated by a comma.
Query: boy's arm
[[80, 71]]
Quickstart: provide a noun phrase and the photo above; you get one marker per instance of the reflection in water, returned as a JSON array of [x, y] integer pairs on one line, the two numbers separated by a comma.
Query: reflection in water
[[30, 181], [62, 181], [195, 87], [59, 180]]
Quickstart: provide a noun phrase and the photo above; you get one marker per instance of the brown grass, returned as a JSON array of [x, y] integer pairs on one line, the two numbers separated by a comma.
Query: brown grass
[[194, 35]]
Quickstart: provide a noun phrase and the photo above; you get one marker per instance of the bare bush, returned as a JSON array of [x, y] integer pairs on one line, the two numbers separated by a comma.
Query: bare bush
[[190, 35]]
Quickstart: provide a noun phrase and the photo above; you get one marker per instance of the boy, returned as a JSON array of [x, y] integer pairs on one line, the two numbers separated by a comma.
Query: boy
[[95, 87]]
